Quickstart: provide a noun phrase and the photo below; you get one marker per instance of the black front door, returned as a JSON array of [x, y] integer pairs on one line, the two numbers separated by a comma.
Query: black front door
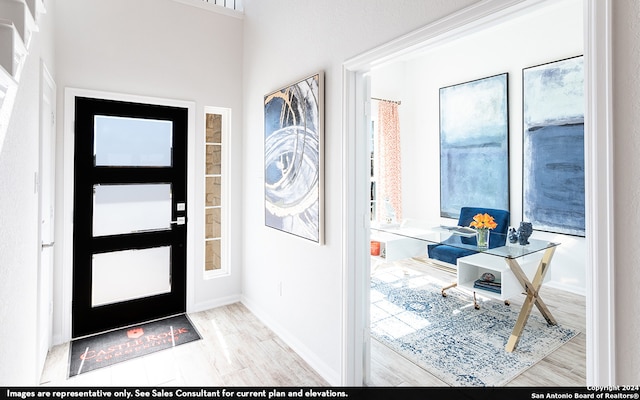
[[129, 235]]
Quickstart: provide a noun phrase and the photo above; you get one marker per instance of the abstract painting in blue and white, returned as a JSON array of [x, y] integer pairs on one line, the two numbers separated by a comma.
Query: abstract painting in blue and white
[[553, 148], [293, 159], [474, 145]]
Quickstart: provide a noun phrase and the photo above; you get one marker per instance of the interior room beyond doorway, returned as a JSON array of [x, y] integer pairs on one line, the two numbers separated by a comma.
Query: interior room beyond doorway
[[414, 79]]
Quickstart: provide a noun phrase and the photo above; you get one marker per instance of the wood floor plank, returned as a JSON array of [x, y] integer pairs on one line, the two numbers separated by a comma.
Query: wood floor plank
[[390, 369], [236, 350]]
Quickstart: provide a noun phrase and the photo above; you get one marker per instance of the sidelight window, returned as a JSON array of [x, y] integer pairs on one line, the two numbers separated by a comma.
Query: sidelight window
[[215, 196]]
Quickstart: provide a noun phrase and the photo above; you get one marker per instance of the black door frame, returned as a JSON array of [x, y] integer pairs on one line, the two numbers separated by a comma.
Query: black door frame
[[85, 318]]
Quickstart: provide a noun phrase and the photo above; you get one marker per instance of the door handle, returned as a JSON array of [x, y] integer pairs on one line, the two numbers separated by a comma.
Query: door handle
[[47, 245], [179, 221]]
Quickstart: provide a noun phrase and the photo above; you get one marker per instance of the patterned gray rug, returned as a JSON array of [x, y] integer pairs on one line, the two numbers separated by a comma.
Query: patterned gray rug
[[450, 339]]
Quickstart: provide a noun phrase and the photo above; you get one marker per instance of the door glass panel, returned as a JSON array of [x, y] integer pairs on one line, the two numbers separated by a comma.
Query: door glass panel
[[132, 142], [214, 191], [214, 159], [122, 209], [213, 258], [130, 274], [213, 224]]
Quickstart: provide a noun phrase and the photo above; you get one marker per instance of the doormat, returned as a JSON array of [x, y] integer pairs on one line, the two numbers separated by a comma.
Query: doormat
[[105, 349], [450, 339]]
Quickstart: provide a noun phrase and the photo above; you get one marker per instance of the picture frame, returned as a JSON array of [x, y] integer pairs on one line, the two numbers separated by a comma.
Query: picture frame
[[294, 158], [553, 178], [474, 145]]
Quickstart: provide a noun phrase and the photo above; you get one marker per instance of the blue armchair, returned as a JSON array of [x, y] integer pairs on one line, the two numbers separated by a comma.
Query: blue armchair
[[450, 253]]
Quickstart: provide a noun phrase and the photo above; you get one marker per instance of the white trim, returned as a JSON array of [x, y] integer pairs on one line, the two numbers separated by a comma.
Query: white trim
[[47, 145], [66, 214], [351, 373], [212, 7], [471, 19], [227, 205], [598, 161], [567, 288], [218, 302], [355, 163], [600, 297]]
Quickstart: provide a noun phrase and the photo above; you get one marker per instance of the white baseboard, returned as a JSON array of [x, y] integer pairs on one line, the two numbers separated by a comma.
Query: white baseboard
[[329, 374], [567, 288], [206, 305], [57, 340]]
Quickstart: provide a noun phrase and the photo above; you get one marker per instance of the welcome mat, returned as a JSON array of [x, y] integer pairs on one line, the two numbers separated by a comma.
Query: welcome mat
[[450, 339], [109, 348]]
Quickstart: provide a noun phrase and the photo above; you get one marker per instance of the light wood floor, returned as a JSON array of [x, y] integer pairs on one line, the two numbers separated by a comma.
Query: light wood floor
[[236, 350], [564, 367]]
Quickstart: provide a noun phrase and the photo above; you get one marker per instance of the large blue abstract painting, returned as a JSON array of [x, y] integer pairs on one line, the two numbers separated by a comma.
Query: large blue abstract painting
[[293, 158], [474, 146], [553, 148]]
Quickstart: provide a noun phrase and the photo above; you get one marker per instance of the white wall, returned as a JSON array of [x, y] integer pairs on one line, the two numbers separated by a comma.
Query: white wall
[[552, 33], [161, 49], [285, 41], [19, 247]]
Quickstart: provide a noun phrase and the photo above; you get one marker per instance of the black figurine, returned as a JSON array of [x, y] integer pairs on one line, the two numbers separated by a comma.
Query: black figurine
[[512, 235], [525, 230]]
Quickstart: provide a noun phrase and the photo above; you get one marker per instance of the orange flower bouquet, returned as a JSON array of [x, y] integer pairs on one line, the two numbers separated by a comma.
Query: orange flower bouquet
[[483, 223]]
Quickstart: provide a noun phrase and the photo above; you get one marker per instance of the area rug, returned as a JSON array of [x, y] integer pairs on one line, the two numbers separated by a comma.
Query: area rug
[[450, 339], [105, 349]]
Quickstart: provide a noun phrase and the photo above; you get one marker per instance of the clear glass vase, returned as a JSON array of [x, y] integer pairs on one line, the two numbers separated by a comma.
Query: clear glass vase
[[482, 238]]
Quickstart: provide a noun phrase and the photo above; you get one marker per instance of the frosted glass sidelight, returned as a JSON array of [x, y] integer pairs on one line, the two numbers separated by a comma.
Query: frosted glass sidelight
[[123, 209], [130, 274], [132, 142]]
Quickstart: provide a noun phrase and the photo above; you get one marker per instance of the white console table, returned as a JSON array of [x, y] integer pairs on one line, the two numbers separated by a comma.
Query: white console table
[[471, 268]]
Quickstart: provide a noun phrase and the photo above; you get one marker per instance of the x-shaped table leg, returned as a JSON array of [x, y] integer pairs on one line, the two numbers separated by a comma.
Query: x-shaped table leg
[[533, 297]]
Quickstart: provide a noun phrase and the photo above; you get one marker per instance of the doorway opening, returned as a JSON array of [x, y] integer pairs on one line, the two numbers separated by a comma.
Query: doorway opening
[[597, 133]]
